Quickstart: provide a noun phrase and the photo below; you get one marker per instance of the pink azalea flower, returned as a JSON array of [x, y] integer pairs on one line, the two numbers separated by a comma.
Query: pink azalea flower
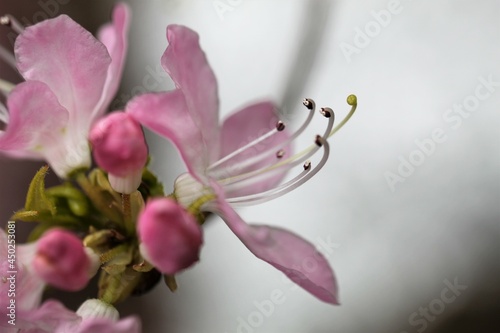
[[225, 168], [71, 78]]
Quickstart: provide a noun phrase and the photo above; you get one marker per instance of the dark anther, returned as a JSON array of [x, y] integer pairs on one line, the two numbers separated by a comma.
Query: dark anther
[[280, 153], [319, 141], [280, 126], [307, 165], [327, 112], [308, 103]]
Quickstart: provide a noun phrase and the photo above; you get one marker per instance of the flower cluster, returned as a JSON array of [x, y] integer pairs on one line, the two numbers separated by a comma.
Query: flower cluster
[[114, 220]]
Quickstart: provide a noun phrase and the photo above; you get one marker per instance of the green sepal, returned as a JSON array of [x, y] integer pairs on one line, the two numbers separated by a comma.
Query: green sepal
[[101, 195], [150, 185], [41, 228], [73, 198], [143, 267], [36, 199], [170, 282], [116, 288]]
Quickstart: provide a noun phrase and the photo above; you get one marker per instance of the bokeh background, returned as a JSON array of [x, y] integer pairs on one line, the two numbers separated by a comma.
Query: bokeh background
[[396, 244]]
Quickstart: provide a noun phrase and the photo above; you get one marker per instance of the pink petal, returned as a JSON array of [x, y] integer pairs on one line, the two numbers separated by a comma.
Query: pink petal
[[67, 58], [187, 65], [28, 286], [114, 37], [38, 128], [245, 126], [51, 317], [167, 115], [126, 325], [287, 252], [36, 121]]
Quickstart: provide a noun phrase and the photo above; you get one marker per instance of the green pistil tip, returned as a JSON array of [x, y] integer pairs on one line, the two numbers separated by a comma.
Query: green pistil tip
[[352, 100]]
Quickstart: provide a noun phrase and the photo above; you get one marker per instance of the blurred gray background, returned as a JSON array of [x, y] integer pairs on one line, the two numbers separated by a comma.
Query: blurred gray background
[[407, 210]]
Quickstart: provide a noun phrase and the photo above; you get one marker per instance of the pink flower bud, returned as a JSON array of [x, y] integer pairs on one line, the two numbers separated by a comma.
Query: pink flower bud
[[170, 236], [63, 262], [119, 148]]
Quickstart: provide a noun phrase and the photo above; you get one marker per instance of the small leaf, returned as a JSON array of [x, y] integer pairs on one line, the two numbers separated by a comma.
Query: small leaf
[[36, 199], [170, 282]]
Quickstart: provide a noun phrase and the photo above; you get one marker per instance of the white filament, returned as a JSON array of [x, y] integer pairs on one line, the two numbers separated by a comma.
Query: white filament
[[271, 150], [286, 187], [9, 20], [4, 114], [8, 57]]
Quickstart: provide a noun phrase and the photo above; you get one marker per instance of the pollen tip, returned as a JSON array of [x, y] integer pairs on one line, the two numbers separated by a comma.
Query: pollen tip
[[280, 153], [352, 100], [280, 126], [5, 20], [308, 103], [307, 165], [326, 112]]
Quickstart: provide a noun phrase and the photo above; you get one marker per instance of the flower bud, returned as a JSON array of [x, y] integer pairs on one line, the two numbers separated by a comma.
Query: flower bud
[[170, 236], [119, 148], [63, 262]]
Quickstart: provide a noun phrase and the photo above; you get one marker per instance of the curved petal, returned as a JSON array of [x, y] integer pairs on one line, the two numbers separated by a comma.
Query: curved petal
[[243, 127], [126, 325], [50, 317], [187, 65], [289, 253], [38, 128], [167, 115], [114, 37], [29, 287], [66, 57]]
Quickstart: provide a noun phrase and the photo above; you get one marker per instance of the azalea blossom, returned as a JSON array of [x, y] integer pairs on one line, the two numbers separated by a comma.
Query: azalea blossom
[[70, 79], [226, 168]]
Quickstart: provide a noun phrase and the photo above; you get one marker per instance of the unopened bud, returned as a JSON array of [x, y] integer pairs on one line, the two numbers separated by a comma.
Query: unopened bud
[[119, 148], [170, 236], [62, 261]]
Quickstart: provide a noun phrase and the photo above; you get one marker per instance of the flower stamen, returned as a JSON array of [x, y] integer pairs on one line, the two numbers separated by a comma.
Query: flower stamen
[[8, 57], [4, 114], [308, 103], [9, 21], [289, 186], [289, 162], [280, 126]]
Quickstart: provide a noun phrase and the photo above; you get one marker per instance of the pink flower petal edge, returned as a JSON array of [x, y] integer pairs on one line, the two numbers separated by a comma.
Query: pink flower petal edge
[[28, 286], [54, 317], [114, 37], [289, 253], [188, 66], [62, 54]]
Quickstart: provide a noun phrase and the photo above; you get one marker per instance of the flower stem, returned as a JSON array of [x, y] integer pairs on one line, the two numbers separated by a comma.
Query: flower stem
[[127, 215]]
